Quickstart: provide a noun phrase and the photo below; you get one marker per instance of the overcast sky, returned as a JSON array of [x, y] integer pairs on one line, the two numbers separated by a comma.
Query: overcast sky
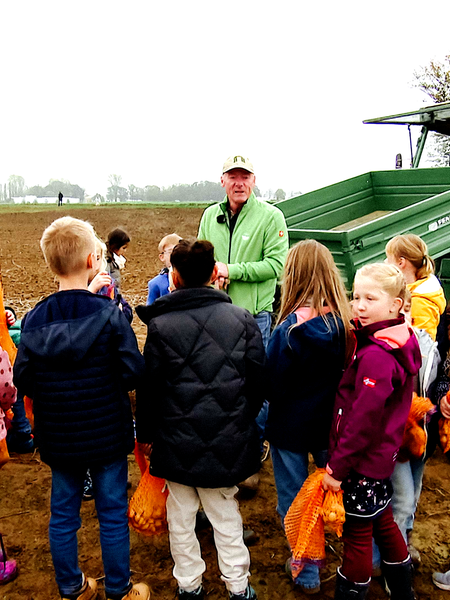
[[162, 92]]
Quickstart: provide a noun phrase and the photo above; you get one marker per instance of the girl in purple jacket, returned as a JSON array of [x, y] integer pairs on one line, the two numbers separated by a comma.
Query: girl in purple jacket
[[370, 413]]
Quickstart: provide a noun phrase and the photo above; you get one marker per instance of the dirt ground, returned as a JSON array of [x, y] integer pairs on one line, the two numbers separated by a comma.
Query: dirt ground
[[25, 480]]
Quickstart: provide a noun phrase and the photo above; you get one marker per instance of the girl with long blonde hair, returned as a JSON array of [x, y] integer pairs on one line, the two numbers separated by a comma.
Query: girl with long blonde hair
[[306, 357], [370, 413]]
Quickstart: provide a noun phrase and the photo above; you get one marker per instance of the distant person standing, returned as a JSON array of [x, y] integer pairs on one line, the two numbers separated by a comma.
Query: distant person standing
[[60, 198]]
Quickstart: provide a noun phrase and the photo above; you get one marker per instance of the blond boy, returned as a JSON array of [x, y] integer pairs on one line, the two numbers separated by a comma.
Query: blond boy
[[77, 358], [159, 285]]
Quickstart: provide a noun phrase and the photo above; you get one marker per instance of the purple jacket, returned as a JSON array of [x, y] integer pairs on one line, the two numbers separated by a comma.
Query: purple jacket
[[373, 401]]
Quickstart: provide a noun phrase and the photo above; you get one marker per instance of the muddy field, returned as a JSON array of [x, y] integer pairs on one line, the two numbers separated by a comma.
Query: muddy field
[[25, 480]]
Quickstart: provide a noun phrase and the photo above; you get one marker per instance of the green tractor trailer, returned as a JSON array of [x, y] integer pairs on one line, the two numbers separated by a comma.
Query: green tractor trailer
[[357, 217]]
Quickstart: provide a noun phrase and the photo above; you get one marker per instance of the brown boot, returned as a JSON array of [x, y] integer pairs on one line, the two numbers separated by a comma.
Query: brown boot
[[139, 591], [88, 591]]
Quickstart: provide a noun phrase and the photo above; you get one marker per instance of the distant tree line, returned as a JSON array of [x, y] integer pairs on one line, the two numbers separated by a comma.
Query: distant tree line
[[16, 188], [200, 191]]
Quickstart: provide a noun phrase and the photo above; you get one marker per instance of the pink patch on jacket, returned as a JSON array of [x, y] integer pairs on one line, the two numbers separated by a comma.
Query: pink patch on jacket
[[396, 336]]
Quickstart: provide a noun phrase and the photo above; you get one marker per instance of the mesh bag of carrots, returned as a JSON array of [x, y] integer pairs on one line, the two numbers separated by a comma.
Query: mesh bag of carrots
[[147, 507], [444, 430], [414, 441], [8, 392], [305, 522]]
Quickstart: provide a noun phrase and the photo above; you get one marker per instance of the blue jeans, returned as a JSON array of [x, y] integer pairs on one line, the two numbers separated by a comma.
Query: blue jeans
[[20, 422], [111, 502], [264, 322], [290, 470], [407, 483]]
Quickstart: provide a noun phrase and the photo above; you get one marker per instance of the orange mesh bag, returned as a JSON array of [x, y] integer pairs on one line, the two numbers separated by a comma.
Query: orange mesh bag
[[5, 339], [304, 524], [4, 454], [414, 441], [333, 511], [147, 507], [444, 431]]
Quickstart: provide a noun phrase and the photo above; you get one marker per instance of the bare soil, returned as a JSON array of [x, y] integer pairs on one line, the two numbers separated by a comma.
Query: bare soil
[[25, 480]]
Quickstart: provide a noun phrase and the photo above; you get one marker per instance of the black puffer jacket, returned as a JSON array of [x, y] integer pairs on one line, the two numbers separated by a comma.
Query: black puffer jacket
[[204, 359], [77, 358]]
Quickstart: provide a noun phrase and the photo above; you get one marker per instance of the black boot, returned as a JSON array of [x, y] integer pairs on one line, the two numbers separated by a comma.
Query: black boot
[[398, 577], [347, 590]]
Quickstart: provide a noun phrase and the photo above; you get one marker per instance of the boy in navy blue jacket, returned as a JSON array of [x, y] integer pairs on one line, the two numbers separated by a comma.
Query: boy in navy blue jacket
[[77, 359]]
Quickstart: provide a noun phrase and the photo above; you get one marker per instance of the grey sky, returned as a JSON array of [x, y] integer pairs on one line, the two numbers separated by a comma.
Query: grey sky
[[163, 92]]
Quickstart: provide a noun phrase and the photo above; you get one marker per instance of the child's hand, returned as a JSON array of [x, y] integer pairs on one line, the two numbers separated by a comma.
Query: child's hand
[[10, 318], [99, 281], [330, 483], [145, 448], [445, 407]]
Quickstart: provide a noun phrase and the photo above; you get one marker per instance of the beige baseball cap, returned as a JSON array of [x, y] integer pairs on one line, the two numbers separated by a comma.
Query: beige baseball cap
[[237, 162]]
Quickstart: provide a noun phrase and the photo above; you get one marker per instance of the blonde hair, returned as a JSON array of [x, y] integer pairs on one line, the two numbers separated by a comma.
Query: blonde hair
[[388, 277], [407, 300], [66, 244], [311, 278], [171, 239], [100, 248], [414, 249]]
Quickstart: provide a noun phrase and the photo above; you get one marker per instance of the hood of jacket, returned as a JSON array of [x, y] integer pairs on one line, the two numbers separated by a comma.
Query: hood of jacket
[[430, 289], [182, 299], [61, 327], [322, 332], [396, 337]]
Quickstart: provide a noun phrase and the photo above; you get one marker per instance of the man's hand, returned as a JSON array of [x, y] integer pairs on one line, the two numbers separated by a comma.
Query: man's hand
[[330, 483], [445, 407], [10, 318], [221, 283], [222, 270]]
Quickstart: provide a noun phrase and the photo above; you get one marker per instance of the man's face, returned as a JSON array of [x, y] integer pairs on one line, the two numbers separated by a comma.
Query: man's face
[[238, 184]]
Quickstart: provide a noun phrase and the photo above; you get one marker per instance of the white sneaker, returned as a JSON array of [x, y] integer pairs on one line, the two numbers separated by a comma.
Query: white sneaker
[[442, 580]]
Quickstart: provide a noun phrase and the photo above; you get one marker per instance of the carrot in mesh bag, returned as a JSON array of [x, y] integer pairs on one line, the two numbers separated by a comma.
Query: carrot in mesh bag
[[414, 441], [147, 507], [304, 524], [444, 431], [333, 511]]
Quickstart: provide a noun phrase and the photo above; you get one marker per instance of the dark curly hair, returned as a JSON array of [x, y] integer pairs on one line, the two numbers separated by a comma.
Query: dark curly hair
[[194, 261]]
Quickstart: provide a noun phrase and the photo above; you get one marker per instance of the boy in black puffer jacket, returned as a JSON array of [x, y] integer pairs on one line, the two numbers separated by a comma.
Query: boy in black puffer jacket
[[203, 389], [77, 359]]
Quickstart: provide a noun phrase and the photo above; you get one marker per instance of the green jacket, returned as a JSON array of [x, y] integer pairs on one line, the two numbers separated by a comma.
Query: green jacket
[[255, 254]]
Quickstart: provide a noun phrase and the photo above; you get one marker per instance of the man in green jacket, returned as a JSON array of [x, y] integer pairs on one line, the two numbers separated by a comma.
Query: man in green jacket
[[251, 243], [250, 240]]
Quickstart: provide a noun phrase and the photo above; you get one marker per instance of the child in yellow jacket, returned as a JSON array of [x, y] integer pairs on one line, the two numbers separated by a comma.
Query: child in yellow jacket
[[410, 254]]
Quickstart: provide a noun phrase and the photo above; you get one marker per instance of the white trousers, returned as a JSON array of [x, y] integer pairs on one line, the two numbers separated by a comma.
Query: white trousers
[[222, 510]]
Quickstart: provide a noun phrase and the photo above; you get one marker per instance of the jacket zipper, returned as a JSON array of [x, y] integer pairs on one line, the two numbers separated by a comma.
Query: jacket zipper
[[338, 421]]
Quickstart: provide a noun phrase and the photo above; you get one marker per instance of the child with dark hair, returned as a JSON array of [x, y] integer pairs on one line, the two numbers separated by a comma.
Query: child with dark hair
[[196, 411], [116, 244]]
